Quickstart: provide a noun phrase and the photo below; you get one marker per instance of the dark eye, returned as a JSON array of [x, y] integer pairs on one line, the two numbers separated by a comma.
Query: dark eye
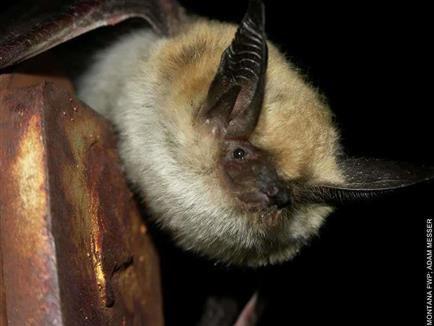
[[239, 154]]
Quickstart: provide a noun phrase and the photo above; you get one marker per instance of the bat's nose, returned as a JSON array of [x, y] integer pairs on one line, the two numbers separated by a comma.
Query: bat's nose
[[271, 191], [277, 196], [267, 196]]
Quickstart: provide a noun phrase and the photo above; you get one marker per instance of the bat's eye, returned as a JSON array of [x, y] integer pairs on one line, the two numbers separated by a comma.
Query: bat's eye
[[239, 154]]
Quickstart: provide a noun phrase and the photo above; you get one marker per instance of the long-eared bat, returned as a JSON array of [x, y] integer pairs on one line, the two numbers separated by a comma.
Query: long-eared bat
[[232, 151]]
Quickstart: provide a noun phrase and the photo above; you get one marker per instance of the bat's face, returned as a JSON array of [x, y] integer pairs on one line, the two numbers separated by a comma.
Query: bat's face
[[250, 175], [255, 216]]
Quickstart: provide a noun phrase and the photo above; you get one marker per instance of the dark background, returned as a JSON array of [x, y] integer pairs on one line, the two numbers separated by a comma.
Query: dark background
[[367, 266]]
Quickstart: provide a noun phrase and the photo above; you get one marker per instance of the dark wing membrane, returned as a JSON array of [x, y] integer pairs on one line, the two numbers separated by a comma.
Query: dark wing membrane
[[367, 178], [377, 175], [26, 38]]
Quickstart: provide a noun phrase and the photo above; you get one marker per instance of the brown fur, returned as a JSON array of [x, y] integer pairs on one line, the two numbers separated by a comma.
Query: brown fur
[[152, 88]]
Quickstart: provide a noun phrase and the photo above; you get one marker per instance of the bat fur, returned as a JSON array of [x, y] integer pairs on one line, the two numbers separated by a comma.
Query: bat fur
[[151, 87]]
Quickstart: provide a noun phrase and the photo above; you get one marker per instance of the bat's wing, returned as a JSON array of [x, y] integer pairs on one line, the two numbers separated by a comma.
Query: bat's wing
[[380, 175], [26, 38], [367, 178]]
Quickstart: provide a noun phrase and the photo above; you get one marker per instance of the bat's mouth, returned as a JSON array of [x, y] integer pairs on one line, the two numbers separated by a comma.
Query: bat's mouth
[[262, 210]]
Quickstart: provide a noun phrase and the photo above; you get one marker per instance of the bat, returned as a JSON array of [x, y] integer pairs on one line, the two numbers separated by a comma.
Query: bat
[[234, 154]]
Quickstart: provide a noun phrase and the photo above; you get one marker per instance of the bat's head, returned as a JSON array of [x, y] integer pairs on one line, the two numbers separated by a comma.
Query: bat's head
[[257, 171], [250, 176]]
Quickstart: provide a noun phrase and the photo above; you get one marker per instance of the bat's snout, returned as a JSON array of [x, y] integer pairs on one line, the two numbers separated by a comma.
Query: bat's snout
[[279, 197], [268, 191]]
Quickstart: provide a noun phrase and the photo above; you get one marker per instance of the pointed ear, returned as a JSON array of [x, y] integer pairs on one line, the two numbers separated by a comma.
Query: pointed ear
[[368, 178], [236, 94]]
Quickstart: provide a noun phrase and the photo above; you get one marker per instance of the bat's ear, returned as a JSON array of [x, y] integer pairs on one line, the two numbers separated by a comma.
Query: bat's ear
[[236, 94], [368, 178]]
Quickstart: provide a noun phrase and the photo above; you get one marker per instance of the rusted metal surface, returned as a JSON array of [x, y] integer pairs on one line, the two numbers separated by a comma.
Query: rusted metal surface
[[3, 320], [73, 247]]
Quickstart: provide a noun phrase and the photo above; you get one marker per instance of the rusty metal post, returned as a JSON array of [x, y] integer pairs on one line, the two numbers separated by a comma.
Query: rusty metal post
[[73, 247]]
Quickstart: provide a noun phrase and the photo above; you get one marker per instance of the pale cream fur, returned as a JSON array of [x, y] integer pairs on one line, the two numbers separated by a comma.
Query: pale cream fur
[[151, 88]]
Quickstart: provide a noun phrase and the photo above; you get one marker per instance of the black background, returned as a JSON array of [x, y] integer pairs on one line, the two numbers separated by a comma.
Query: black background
[[367, 266]]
